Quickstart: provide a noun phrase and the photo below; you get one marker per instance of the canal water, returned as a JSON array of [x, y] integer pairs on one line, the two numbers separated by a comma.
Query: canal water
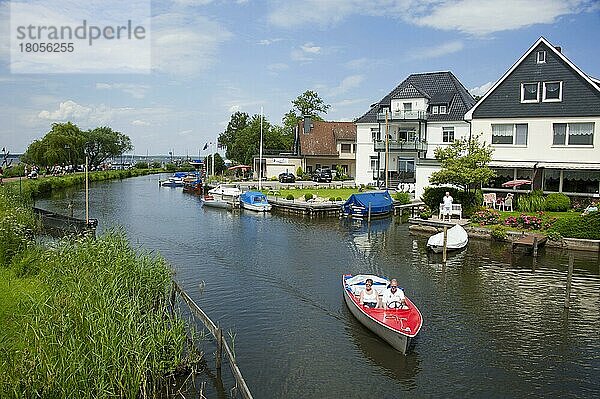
[[494, 323]]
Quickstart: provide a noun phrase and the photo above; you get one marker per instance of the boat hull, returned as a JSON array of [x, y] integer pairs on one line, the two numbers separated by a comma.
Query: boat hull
[[456, 239], [398, 327], [257, 208], [398, 341], [217, 203]]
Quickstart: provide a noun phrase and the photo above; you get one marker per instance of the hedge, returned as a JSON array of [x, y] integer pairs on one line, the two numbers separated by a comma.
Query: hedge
[[587, 227], [557, 202]]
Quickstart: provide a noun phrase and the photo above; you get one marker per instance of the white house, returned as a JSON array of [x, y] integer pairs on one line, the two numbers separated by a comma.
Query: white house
[[542, 118], [423, 112]]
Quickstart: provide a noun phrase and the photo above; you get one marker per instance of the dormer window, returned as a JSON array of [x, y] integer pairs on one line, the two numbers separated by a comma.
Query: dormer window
[[530, 92], [443, 109], [541, 57], [552, 92], [434, 109]]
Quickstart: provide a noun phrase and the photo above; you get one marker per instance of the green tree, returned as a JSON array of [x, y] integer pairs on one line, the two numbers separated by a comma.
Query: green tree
[[102, 143], [237, 122], [219, 163], [63, 144], [464, 164], [308, 103]]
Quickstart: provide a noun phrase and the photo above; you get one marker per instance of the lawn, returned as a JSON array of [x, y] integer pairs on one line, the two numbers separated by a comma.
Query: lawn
[[326, 193]]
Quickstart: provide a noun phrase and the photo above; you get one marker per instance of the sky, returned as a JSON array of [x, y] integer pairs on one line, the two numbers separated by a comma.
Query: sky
[[211, 58]]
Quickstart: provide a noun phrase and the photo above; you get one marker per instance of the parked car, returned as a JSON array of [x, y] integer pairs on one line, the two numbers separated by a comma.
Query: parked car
[[287, 177], [322, 175]]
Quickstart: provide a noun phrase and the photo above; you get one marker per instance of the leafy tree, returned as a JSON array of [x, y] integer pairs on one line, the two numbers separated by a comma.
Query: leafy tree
[[308, 103], [102, 143], [238, 121], [464, 164], [63, 144], [219, 163]]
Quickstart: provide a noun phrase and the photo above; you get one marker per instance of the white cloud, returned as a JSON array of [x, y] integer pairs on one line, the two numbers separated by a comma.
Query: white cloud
[[66, 110], [268, 42], [348, 83], [436, 51], [185, 132], [305, 52], [134, 90], [277, 67], [185, 44], [481, 90], [139, 122], [475, 17]]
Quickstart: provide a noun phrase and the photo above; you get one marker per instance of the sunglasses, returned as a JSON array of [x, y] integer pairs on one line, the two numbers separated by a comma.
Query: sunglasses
[[368, 285], [393, 287]]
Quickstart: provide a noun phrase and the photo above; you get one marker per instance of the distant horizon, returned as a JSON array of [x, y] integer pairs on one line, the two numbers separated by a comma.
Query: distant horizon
[[212, 58]]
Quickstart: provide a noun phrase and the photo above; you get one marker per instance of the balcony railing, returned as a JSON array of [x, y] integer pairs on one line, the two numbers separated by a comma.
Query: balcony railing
[[402, 115], [394, 145]]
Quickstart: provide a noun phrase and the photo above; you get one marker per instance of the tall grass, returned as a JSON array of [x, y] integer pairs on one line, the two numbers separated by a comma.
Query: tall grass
[[531, 202], [101, 327]]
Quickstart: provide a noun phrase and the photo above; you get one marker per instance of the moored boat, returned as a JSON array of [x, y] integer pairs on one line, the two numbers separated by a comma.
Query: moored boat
[[176, 180], [398, 327], [457, 238], [223, 196], [255, 201], [192, 183], [377, 203]]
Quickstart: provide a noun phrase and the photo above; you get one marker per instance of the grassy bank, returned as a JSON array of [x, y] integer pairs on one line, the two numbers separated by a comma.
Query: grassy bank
[[326, 193], [81, 318]]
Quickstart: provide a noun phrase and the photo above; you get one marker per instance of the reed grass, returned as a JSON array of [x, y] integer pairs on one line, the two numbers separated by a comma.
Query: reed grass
[[100, 327]]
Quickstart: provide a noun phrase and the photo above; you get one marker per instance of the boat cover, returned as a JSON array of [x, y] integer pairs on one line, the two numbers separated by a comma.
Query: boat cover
[[357, 283], [457, 238], [253, 197], [381, 202]]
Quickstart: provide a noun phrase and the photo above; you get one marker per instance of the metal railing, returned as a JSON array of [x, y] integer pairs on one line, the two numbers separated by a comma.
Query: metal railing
[[403, 115], [399, 145]]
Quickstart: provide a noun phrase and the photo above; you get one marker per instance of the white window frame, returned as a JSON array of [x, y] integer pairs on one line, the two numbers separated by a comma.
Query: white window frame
[[443, 109], [568, 134], [541, 57], [375, 134], [349, 148], [537, 100], [373, 163], [434, 109], [514, 135], [553, 100], [448, 129]]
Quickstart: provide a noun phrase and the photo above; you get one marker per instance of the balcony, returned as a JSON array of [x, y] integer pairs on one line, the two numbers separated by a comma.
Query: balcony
[[402, 116], [400, 145]]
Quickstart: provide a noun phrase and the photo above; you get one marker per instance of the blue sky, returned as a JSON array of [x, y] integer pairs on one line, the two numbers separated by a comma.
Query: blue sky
[[211, 58]]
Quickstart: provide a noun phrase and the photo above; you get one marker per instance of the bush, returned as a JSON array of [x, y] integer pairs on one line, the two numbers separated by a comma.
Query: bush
[[554, 235], [557, 202], [155, 165], [498, 233], [587, 227], [170, 167], [299, 171], [425, 215], [486, 217], [290, 197], [308, 196], [526, 222], [432, 196], [141, 165], [531, 202], [404, 198], [332, 199]]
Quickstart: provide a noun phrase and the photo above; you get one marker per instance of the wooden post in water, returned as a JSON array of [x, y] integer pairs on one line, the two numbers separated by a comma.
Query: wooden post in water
[[569, 278], [219, 348], [444, 250], [535, 246], [369, 217]]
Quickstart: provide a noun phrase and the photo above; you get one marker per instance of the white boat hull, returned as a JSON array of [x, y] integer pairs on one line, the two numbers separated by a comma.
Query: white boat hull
[[457, 238], [398, 341], [217, 203], [257, 208]]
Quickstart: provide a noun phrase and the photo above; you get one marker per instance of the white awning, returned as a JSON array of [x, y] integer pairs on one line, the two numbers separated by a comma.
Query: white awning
[[569, 165], [512, 164]]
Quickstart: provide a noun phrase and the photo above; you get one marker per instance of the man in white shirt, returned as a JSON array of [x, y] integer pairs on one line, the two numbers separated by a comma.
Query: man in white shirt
[[447, 210], [393, 297]]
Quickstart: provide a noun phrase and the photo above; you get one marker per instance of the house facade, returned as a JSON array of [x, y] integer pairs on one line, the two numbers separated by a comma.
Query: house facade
[[317, 145], [402, 130], [542, 119]]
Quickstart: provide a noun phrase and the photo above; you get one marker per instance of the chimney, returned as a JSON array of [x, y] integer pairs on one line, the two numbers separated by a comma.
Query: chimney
[[558, 48], [307, 124]]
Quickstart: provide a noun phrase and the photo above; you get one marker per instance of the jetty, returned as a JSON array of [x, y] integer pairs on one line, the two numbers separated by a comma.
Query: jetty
[[309, 208], [530, 241]]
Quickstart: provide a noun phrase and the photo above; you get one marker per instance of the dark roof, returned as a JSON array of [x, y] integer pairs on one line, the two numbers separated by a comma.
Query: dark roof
[[322, 137], [438, 87]]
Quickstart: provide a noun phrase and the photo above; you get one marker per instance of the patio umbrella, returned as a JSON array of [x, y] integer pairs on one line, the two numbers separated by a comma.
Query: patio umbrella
[[516, 183], [242, 167]]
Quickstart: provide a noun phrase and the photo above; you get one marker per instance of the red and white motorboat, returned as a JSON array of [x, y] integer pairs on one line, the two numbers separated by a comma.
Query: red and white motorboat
[[396, 326]]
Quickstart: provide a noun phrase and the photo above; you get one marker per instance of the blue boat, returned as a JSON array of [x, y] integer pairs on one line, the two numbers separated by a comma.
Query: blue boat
[[379, 202], [174, 181], [255, 201]]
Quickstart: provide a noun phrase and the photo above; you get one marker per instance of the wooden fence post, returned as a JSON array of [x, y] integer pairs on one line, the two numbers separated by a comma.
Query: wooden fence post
[[569, 278], [219, 348], [444, 250]]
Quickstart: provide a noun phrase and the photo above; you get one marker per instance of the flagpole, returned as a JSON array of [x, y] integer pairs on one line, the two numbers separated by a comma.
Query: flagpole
[[213, 161], [260, 151]]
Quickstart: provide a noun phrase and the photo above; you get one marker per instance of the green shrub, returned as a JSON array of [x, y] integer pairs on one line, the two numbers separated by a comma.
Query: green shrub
[[586, 227], [553, 235], [486, 216], [308, 196], [170, 167], [557, 202], [531, 202], [299, 171], [332, 199], [290, 197], [155, 165], [498, 233], [141, 165], [404, 198], [425, 214], [432, 196]]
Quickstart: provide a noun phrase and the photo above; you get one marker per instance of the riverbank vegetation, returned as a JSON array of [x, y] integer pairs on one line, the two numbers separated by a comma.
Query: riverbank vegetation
[[81, 317]]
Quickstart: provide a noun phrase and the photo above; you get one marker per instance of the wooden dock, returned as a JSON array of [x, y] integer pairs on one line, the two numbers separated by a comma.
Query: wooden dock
[[299, 207], [530, 241]]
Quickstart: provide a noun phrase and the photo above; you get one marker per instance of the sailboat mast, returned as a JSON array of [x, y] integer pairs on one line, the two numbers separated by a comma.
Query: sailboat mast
[[260, 151]]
